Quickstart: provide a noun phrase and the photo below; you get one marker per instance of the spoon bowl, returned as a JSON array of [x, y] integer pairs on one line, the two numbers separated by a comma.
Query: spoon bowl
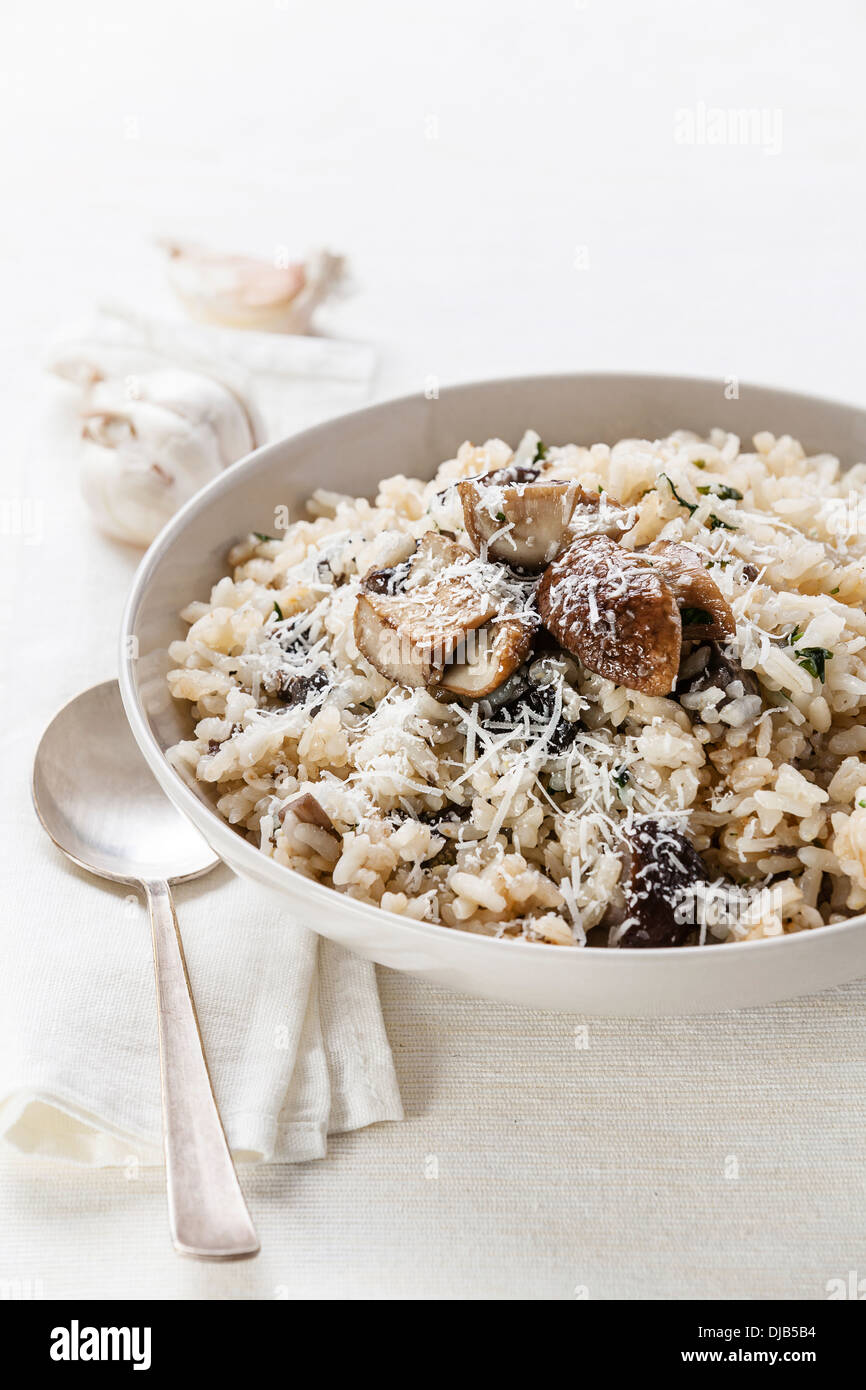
[[100, 803]]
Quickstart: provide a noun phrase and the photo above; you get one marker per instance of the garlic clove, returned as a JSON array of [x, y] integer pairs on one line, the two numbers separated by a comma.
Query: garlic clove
[[202, 400], [244, 292], [152, 440], [141, 463]]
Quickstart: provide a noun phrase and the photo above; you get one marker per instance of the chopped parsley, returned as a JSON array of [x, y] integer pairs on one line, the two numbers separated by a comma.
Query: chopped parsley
[[713, 522], [696, 617], [813, 660], [500, 516], [260, 536], [540, 452], [722, 491], [690, 508], [862, 805], [279, 612], [699, 463], [620, 778], [836, 590]]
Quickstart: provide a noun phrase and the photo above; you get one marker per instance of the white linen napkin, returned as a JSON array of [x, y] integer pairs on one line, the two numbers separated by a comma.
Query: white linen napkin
[[292, 1024], [291, 382]]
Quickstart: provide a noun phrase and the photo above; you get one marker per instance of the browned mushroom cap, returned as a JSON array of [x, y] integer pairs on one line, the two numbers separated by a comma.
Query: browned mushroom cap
[[704, 610], [409, 621], [611, 608], [490, 655], [307, 810], [661, 871], [528, 523]]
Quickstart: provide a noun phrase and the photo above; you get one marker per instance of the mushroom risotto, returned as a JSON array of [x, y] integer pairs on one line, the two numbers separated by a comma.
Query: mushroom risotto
[[604, 696]]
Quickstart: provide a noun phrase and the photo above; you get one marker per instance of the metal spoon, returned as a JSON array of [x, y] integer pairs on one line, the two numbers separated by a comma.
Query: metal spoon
[[99, 802]]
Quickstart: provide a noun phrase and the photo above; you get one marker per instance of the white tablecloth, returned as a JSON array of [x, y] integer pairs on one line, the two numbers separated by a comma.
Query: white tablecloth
[[518, 190], [527, 1167]]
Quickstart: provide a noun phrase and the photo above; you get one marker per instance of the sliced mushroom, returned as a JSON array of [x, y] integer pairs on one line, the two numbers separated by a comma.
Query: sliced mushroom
[[410, 634], [528, 523], [613, 610], [388, 581], [710, 666], [704, 610], [307, 810], [661, 871], [523, 698], [435, 551], [492, 654], [514, 473], [295, 686]]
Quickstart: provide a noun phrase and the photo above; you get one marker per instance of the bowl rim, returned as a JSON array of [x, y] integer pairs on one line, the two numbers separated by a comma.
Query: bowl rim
[[283, 877]]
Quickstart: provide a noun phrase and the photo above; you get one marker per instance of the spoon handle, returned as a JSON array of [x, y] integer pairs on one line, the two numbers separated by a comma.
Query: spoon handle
[[208, 1217]]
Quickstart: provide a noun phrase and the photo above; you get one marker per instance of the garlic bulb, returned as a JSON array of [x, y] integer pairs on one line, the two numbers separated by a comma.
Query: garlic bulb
[[151, 440], [242, 292]]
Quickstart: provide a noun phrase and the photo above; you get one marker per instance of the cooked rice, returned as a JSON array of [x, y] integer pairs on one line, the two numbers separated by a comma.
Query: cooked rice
[[770, 789]]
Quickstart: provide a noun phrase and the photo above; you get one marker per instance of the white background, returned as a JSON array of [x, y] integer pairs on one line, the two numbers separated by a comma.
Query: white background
[[507, 182]]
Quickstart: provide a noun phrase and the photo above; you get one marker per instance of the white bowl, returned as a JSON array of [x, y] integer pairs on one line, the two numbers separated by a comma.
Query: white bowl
[[412, 436]]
